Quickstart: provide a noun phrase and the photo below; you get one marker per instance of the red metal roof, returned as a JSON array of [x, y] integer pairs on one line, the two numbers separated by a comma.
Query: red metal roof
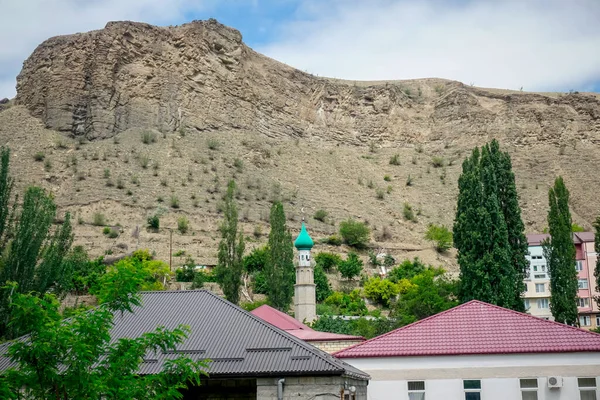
[[296, 328], [476, 328], [536, 239]]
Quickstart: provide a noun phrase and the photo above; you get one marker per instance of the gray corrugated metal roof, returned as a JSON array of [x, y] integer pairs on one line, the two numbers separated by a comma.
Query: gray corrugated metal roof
[[237, 342]]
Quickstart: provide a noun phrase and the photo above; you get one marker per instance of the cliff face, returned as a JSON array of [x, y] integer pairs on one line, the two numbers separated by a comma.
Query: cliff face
[[202, 76]]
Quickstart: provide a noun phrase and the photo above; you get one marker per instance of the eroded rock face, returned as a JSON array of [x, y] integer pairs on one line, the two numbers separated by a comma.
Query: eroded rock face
[[200, 76]]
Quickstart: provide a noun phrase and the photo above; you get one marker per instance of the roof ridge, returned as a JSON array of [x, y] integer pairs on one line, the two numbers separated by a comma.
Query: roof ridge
[[310, 348], [403, 327]]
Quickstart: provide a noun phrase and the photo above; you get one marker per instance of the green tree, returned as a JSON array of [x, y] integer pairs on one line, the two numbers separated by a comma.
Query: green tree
[[256, 260], [354, 233], [347, 304], [489, 255], [381, 291], [407, 269], [597, 250], [328, 261], [279, 270], [231, 249], [351, 267], [559, 251], [322, 286], [75, 359]]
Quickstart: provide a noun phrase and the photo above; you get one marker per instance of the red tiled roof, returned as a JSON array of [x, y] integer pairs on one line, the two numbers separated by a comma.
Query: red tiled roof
[[536, 239], [476, 328], [296, 328]]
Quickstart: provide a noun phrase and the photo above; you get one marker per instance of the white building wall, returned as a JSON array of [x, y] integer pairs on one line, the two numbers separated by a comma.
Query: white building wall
[[499, 374], [538, 274]]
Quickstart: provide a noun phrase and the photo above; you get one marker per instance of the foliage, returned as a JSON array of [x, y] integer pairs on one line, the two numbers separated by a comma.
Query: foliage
[[333, 240], [174, 201], [183, 224], [320, 215], [154, 222], [259, 283], [388, 260], [407, 270], [367, 328], [381, 291], [98, 219], [438, 161], [347, 304], [354, 233], [322, 286], [489, 231], [395, 159], [577, 228], [187, 272], [440, 235], [231, 249], [559, 251], [75, 358], [84, 272], [426, 294], [148, 137], [328, 261], [351, 267], [256, 260], [408, 212], [279, 270], [597, 251], [250, 306]]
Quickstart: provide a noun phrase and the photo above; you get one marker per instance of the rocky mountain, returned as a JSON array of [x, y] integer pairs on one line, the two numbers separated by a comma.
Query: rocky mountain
[[135, 119]]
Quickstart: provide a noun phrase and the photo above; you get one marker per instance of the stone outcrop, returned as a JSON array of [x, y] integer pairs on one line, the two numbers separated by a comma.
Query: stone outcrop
[[201, 76]]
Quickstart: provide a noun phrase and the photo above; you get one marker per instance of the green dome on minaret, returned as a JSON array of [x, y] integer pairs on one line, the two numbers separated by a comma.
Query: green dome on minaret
[[303, 241]]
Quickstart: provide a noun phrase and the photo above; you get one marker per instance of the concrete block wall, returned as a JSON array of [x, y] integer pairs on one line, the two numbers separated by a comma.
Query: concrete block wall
[[305, 388], [334, 345]]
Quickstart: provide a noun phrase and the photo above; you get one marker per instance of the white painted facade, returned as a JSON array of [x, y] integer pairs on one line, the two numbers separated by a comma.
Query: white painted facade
[[537, 294], [499, 376]]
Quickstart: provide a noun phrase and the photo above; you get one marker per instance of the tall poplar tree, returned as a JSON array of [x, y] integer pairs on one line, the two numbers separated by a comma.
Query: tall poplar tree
[[231, 249], [559, 251], [488, 230], [597, 251], [279, 269]]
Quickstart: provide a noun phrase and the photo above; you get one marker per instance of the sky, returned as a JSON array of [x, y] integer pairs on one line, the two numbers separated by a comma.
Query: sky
[[533, 45]]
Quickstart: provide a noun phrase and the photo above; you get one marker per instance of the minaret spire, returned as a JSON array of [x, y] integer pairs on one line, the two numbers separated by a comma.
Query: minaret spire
[[305, 304]]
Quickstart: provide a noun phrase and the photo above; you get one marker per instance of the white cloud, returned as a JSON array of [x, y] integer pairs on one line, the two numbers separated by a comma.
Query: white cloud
[[26, 23], [537, 44]]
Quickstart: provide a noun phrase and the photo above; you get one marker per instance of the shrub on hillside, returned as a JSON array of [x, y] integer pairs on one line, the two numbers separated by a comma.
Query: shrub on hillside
[[256, 260], [99, 219], [154, 222], [320, 215], [354, 233], [328, 261], [347, 303], [381, 291], [440, 235], [183, 224], [351, 267]]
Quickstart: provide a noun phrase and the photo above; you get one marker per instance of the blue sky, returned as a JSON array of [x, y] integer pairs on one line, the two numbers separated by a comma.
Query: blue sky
[[539, 45]]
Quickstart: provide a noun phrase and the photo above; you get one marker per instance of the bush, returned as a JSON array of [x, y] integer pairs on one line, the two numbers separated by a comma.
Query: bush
[[408, 212], [106, 173], [577, 228], [187, 272], [106, 230], [440, 235], [328, 261], [174, 201], [322, 286], [407, 269], [387, 178], [333, 240], [113, 233], [256, 260], [320, 215], [381, 291], [213, 144], [238, 164], [154, 222], [182, 224], [144, 160], [39, 156], [347, 304], [148, 137], [380, 194], [437, 161], [253, 305], [354, 233], [395, 159], [98, 219], [351, 267], [259, 283]]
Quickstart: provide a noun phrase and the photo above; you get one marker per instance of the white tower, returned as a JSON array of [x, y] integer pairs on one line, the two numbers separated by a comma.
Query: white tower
[[305, 303]]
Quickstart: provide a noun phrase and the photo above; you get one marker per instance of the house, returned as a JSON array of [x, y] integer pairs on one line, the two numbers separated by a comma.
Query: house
[[250, 357], [537, 295], [480, 351], [329, 342]]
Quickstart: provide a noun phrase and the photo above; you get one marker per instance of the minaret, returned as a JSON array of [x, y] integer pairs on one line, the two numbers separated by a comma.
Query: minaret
[[305, 304]]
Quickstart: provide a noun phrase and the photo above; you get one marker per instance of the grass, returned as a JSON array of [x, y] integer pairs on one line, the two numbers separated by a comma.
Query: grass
[[47, 165], [183, 224], [98, 219], [239, 165], [148, 137], [409, 180], [39, 156], [144, 160], [213, 144], [106, 173], [395, 159], [174, 201], [387, 178], [320, 215], [380, 194], [408, 212], [438, 161]]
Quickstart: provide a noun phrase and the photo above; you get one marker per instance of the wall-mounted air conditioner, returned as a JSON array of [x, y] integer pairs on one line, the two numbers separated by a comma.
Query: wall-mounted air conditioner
[[555, 382]]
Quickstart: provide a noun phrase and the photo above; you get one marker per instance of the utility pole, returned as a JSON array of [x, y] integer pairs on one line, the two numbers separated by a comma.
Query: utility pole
[[170, 249]]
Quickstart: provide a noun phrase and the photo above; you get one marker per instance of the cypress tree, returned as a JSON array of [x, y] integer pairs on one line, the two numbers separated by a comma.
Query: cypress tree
[[279, 268], [559, 251], [231, 249], [597, 251], [488, 230]]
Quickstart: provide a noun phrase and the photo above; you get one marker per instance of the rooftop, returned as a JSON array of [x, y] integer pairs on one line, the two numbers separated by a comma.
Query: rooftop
[[476, 328], [536, 239], [296, 328]]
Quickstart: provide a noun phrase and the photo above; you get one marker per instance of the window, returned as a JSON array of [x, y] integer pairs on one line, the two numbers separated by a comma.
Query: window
[[579, 265], [543, 303], [582, 283], [472, 389], [529, 389], [527, 305], [540, 288], [587, 388], [585, 320], [598, 320], [542, 276], [535, 268], [543, 268], [582, 302], [416, 390]]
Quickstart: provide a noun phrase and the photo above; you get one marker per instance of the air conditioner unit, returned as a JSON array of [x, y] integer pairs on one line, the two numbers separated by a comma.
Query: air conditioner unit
[[555, 382]]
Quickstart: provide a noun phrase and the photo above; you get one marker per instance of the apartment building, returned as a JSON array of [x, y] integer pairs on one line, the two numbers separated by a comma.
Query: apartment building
[[537, 295]]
